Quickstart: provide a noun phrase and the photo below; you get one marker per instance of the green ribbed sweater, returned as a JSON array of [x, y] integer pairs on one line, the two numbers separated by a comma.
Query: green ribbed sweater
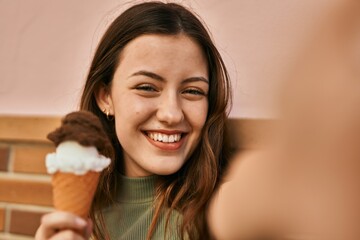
[[130, 217]]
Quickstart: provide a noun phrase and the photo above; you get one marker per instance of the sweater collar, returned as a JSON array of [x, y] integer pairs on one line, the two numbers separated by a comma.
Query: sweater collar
[[136, 190]]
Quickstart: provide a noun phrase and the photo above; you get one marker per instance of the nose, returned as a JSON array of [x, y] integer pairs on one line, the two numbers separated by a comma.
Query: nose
[[169, 110]]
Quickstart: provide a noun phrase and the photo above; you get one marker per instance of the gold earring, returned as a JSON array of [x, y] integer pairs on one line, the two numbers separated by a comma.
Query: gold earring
[[107, 113]]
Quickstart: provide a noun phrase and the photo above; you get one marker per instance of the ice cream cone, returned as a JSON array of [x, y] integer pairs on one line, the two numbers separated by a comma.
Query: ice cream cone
[[83, 150], [74, 193]]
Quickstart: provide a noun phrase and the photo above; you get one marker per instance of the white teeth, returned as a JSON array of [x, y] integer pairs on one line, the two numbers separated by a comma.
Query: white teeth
[[177, 137], [159, 137]]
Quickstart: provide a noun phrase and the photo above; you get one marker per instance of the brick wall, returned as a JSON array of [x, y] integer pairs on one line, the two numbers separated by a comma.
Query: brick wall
[[25, 189]]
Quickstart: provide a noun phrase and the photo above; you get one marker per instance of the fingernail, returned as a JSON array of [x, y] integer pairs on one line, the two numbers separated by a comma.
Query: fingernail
[[80, 222]]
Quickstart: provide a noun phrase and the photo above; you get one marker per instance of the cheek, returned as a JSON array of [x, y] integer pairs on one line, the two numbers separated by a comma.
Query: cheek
[[131, 109], [197, 114]]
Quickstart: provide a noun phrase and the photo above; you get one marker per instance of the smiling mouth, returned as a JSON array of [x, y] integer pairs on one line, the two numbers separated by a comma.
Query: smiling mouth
[[165, 138]]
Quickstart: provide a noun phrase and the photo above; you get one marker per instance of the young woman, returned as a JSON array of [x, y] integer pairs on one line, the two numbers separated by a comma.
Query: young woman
[[161, 90]]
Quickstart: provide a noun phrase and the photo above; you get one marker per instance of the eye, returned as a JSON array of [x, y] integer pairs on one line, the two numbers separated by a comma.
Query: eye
[[146, 88], [194, 91], [194, 94]]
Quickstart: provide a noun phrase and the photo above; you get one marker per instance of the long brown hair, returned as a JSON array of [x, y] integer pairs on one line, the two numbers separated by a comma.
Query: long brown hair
[[188, 190]]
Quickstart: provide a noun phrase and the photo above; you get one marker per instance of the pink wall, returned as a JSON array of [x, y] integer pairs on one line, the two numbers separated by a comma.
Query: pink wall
[[46, 47]]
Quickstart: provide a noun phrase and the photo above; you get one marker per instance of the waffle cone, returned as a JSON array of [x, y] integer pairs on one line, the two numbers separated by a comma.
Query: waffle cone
[[74, 193]]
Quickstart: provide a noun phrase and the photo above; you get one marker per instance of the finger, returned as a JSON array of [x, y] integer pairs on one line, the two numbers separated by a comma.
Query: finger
[[67, 235], [53, 222]]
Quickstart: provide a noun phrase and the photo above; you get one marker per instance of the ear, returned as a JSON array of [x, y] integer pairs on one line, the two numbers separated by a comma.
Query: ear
[[104, 100]]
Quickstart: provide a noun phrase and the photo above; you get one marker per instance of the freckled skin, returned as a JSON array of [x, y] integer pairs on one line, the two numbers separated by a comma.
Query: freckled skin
[[142, 103]]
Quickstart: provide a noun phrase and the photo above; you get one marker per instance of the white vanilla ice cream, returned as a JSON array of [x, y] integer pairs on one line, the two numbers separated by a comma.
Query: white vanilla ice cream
[[72, 157]]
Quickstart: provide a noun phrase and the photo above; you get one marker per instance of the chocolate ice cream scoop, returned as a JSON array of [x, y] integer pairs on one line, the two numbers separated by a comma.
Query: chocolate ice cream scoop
[[85, 128]]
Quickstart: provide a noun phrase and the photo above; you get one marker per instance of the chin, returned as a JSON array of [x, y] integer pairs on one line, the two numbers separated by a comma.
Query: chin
[[166, 171]]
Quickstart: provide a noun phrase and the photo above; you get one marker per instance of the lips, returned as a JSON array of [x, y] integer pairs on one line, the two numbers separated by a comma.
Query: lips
[[165, 138], [168, 141]]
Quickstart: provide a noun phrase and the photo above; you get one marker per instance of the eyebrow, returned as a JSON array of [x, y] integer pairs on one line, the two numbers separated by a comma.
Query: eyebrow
[[160, 78]]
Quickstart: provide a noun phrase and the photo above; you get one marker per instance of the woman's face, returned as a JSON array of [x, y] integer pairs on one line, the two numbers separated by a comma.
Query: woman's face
[[159, 99]]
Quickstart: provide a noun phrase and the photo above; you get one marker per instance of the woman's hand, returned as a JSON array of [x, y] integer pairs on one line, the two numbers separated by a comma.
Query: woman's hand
[[62, 225]]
